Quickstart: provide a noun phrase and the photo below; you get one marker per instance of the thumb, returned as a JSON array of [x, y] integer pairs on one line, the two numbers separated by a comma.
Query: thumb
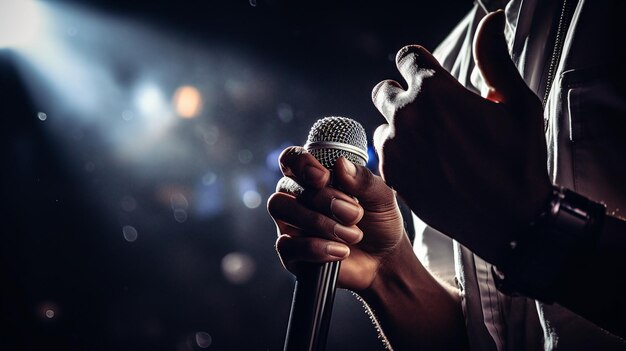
[[358, 181], [492, 59]]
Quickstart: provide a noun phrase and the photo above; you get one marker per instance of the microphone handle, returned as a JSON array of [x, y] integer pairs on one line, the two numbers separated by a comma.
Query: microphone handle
[[311, 307]]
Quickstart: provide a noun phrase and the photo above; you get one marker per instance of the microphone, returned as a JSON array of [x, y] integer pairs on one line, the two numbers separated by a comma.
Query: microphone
[[314, 291]]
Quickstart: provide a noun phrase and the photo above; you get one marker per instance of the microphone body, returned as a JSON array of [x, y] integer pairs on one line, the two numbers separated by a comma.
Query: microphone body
[[314, 291]]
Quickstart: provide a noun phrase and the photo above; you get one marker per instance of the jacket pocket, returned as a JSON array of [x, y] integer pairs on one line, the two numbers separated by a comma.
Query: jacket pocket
[[596, 102]]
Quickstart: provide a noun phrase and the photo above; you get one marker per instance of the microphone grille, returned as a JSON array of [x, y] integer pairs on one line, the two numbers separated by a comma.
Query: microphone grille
[[333, 137]]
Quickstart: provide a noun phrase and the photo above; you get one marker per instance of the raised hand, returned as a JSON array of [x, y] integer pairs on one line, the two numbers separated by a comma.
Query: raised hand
[[472, 167]]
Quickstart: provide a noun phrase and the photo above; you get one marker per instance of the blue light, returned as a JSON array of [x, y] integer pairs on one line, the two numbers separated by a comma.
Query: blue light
[[372, 163]]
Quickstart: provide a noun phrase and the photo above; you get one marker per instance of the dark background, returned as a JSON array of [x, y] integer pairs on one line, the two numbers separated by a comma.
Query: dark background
[[207, 276]]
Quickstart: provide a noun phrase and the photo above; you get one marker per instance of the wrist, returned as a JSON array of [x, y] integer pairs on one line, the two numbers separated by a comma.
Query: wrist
[[395, 271], [542, 252], [402, 279], [413, 308]]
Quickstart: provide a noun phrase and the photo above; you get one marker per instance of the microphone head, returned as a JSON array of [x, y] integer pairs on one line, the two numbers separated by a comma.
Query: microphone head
[[333, 137]]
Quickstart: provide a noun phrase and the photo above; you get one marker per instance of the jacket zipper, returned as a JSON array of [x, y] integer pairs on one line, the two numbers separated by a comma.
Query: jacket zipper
[[564, 21]]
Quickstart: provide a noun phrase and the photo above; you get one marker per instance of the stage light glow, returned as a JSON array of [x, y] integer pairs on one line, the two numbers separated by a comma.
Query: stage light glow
[[150, 101], [127, 93], [187, 102], [238, 268], [20, 23]]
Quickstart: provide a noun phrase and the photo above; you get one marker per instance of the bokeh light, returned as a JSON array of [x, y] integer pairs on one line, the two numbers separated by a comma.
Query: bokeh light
[[130, 233], [209, 178], [203, 339], [187, 102], [180, 215], [238, 268], [252, 199], [48, 310], [178, 201]]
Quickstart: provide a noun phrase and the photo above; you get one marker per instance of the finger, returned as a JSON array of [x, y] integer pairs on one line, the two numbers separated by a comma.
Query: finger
[[296, 163], [415, 64], [371, 190], [285, 208], [492, 58], [382, 134], [293, 250], [333, 203], [289, 186], [385, 96], [327, 200], [284, 228]]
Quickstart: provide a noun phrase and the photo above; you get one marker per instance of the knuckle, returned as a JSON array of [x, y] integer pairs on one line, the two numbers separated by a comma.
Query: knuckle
[[281, 245], [409, 56], [288, 156], [414, 55], [404, 116], [366, 180], [274, 203], [289, 186], [366, 177], [313, 198], [384, 90], [285, 259], [315, 248], [322, 224], [406, 52], [291, 151], [385, 96]]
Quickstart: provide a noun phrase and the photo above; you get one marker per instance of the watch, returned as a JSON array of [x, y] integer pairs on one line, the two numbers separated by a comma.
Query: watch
[[543, 251]]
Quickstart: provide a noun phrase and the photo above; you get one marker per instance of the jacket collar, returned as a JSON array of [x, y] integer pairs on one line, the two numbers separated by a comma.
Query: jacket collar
[[492, 5]]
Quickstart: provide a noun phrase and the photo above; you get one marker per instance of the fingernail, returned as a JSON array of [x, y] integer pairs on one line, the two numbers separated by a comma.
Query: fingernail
[[312, 174], [350, 168], [344, 211], [337, 250], [348, 234]]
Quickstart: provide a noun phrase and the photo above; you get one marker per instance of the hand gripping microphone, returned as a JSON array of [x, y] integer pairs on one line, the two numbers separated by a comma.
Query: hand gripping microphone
[[314, 291]]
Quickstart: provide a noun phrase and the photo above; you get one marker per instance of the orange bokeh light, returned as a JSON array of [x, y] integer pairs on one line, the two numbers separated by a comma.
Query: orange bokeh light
[[187, 102]]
